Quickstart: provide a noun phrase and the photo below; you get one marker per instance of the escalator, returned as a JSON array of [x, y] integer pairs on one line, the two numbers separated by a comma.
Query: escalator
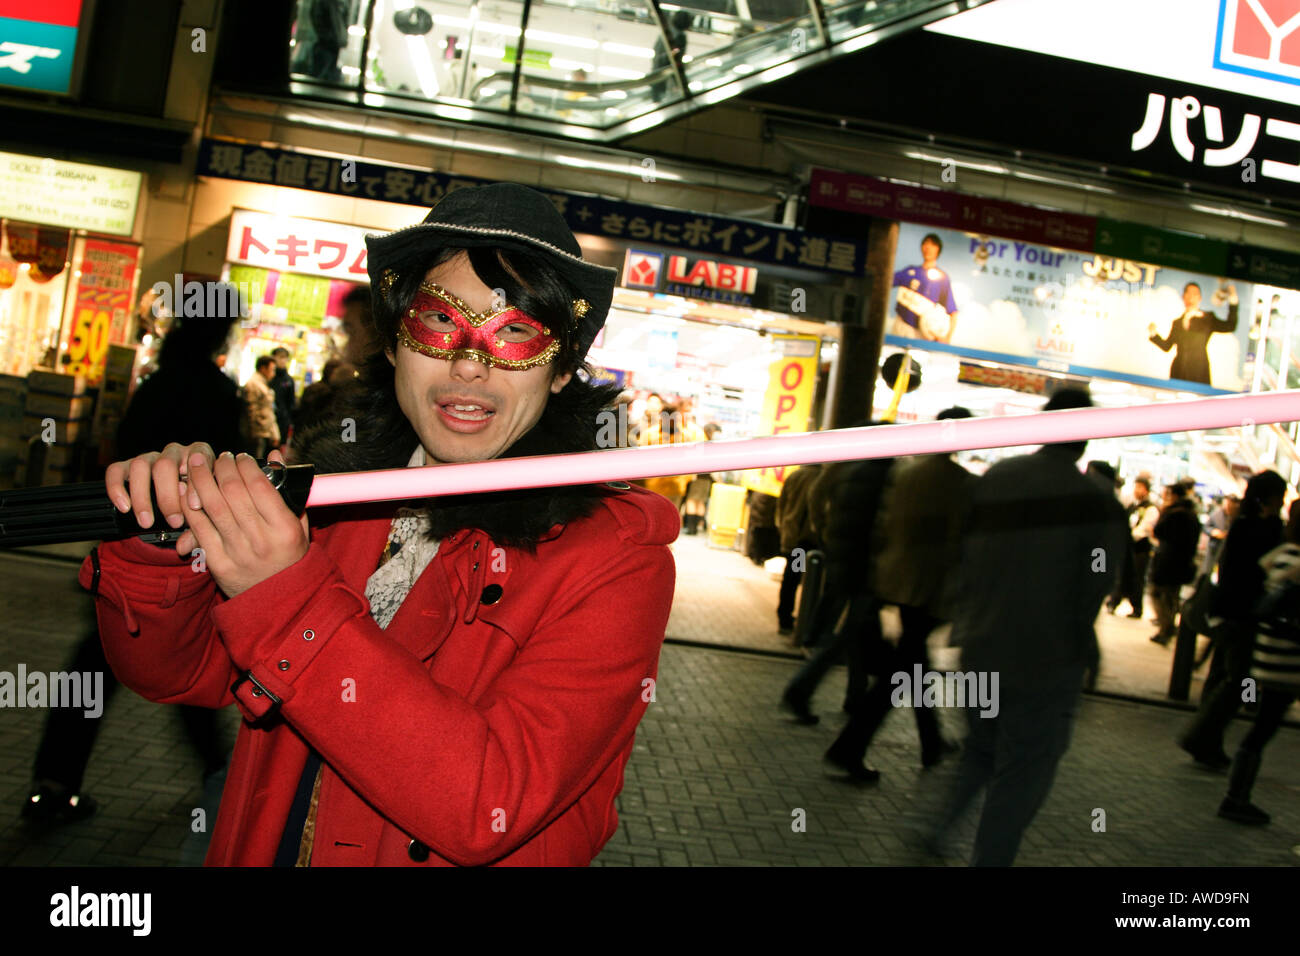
[[594, 70]]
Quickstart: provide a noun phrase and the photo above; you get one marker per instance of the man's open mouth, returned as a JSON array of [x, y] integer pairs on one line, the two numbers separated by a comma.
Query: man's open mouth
[[468, 413]]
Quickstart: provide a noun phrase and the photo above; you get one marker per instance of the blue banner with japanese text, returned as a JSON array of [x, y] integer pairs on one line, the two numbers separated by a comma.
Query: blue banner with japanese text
[[593, 215]]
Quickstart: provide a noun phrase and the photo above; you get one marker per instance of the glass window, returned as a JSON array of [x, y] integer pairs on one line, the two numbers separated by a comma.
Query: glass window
[[327, 40]]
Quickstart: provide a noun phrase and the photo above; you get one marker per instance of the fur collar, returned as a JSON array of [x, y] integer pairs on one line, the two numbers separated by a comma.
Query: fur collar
[[384, 439]]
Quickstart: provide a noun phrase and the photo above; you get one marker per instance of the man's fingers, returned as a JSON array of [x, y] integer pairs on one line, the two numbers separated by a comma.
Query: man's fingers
[[115, 484], [166, 489], [202, 534], [270, 506], [141, 481], [203, 482], [234, 477]]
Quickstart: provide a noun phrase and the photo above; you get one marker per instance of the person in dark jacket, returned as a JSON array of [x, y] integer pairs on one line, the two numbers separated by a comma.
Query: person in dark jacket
[[189, 399], [1256, 532], [286, 402], [321, 33], [1037, 559], [918, 542], [762, 539], [797, 538], [1174, 562], [669, 50], [844, 503], [1275, 666]]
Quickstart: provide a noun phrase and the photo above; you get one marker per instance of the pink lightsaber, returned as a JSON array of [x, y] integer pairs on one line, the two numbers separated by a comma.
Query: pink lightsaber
[[845, 444]]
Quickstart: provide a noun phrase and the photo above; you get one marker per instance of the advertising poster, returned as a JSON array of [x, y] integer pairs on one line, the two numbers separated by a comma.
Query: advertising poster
[[103, 306], [1068, 312], [788, 404]]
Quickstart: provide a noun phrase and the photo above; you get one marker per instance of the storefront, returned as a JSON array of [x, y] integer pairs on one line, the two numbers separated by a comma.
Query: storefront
[[291, 275], [68, 278]]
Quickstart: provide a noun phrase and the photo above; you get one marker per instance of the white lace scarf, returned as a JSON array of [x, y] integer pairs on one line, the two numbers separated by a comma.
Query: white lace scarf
[[410, 550]]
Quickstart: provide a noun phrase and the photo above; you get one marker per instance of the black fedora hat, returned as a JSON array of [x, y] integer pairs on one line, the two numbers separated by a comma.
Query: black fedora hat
[[506, 216]]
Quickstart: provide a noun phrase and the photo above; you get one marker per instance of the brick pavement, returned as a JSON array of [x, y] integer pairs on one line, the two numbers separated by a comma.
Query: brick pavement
[[715, 778]]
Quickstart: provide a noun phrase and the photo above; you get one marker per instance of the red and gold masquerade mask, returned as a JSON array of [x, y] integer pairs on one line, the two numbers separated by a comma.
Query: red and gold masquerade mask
[[443, 326]]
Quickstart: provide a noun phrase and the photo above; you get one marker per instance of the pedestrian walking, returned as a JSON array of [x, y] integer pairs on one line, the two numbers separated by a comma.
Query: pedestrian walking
[[1255, 532], [1275, 665], [1173, 563], [1036, 564], [794, 520], [917, 544], [260, 422]]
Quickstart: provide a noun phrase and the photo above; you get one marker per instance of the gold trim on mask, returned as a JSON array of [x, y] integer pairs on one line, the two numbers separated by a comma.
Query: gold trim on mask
[[474, 355], [389, 278], [475, 318]]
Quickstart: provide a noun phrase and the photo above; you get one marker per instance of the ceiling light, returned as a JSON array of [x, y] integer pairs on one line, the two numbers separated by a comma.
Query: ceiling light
[[563, 39], [1235, 214], [960, 163], [628, 50]]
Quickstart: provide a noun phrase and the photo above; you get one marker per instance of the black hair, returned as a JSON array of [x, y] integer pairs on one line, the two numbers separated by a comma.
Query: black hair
[[1068, 398], [279, 350], [264, 361], [1103, 468], [1177, 489], [358, 295], [195, 340], [957, 411], [933, 237], [1191, 285], [1260, 488]]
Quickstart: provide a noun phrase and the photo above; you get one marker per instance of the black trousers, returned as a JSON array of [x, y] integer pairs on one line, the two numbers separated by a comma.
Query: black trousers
[[1274, 702], [1221, 696], [70, 736], [873, 703], [1135, 584], [1167, 598], [790, 581], [852, 642]]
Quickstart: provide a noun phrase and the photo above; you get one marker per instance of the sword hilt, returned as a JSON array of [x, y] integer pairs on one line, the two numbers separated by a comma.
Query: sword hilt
[[59, 514]]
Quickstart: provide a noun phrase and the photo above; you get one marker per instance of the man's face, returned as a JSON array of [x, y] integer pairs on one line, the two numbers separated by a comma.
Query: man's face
[[267, 371], [1169, 498], [1231, 506], [929, 251], [1191, 297], [497, 406], [1140, 490], [360, 340]]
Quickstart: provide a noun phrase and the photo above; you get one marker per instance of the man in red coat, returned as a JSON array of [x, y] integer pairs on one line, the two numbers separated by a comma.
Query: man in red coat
[[456, 681]]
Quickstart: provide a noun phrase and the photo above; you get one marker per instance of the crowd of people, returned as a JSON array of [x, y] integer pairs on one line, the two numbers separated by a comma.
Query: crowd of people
[[1020, 561], [652, 421]]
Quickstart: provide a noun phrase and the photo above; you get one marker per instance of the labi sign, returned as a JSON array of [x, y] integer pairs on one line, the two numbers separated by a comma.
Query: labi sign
[[1073, 312]]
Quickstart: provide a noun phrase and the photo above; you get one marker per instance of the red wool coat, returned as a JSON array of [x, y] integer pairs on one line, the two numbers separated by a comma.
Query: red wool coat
[[490, 722]]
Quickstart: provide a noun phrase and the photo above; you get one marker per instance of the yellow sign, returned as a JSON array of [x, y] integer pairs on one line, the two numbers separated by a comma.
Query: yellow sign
[[791, 385]]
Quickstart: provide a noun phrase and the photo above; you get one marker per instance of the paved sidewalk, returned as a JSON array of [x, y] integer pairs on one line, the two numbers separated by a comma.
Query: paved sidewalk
[[716, 779]]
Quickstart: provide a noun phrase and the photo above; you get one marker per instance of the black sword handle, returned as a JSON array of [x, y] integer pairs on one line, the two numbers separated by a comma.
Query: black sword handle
[[58, 514]]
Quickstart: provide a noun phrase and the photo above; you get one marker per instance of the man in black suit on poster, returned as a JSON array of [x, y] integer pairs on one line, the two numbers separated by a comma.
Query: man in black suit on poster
[[1190, 333]]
